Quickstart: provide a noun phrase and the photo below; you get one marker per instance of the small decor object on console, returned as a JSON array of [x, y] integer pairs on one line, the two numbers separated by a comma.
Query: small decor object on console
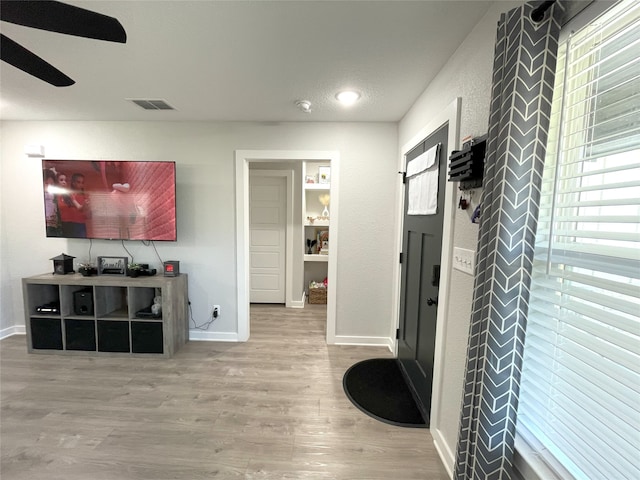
[[140, 270], [156, 308], [112, 265], [134, 269], [62, 264], [86, 269], [171, 268]]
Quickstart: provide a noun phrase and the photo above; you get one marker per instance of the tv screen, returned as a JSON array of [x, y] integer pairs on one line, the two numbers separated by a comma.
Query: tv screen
[[110, 199]]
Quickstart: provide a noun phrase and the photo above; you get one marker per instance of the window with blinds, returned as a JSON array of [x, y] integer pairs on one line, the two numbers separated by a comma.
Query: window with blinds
[[579, 404]]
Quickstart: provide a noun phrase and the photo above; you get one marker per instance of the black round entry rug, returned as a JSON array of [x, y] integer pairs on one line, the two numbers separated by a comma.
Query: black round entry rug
[[378, 388]]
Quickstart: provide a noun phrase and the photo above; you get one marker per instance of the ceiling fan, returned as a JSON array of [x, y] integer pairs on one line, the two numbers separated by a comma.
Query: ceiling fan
[[57, 17]]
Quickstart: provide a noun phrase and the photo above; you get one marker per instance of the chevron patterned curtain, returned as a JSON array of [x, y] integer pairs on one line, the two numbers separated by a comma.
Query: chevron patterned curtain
[[523, 76]]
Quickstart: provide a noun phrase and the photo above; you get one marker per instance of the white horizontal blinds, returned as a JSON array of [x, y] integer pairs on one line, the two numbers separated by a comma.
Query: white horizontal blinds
[[580, 387], [603, 86]]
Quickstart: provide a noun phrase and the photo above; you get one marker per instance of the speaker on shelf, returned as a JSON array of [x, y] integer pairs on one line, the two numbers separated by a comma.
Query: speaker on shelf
[[83, 302]]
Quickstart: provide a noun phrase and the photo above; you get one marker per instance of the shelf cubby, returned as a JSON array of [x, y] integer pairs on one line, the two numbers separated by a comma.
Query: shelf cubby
[[141, 298], [111, 302], [41, 295]]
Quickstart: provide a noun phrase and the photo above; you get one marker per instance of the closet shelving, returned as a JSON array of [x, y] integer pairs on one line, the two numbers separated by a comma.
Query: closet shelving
[[316, 227]]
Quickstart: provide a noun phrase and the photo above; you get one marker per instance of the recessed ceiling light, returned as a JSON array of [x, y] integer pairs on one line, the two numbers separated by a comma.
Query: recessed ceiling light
[[348, 97]]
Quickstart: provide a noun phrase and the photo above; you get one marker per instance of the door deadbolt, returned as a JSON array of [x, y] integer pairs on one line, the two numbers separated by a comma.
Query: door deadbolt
[[431, 301]]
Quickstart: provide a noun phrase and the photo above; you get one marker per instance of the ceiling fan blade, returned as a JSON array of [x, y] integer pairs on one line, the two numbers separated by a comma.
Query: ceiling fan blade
[[18, 56], [62, 18]]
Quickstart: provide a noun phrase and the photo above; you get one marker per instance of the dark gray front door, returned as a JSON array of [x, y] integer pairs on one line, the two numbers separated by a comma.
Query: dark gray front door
[[421, 248]]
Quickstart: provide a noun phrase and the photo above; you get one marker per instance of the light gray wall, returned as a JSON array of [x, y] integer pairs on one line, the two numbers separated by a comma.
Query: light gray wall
[[467, 75], [206, 248]]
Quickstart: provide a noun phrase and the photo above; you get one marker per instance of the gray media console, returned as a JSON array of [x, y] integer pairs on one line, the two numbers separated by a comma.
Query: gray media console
[[105, 315]]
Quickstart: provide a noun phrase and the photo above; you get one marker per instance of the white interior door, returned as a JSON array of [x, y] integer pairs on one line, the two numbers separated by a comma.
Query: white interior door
[[267, 233]]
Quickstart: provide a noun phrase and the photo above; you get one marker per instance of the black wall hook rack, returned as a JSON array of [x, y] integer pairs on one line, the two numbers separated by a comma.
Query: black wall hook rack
[[467, 165]]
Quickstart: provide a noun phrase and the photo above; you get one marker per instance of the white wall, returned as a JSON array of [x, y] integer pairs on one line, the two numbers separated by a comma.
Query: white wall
[[206, 248], [466, 75]]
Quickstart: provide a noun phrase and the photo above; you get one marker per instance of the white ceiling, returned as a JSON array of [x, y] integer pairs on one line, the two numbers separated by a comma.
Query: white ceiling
[[243, 60]]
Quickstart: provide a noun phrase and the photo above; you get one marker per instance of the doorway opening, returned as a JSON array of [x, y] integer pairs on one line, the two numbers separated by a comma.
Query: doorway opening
[[245, 159], [450, 116], [426, 169]]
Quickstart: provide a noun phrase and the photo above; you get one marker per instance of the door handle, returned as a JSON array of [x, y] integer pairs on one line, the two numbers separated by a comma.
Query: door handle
[[431, 301]]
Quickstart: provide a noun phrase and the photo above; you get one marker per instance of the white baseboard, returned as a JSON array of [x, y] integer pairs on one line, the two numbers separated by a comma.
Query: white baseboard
[[445, 453], [364, 341], [297, 304], [10, 331], [199, 335]]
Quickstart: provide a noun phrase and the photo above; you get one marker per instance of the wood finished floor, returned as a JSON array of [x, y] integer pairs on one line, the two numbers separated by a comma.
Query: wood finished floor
[[270, 408]]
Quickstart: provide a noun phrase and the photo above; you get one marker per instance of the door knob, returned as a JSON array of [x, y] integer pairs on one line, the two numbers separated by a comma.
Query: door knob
[[431, 301]]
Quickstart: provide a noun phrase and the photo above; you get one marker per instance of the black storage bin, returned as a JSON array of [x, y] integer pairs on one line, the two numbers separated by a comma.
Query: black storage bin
[[113, 336], [80, 334], [46, 334], [146, 337]]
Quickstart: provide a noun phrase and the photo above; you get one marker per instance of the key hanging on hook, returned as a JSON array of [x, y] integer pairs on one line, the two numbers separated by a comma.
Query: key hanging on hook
[[463, 203]]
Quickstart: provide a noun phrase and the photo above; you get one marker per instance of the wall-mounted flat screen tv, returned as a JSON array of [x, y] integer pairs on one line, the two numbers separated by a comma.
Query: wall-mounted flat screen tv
[[123, 200]]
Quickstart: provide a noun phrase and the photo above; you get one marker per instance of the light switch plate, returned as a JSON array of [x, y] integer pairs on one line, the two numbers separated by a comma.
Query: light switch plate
[[464, 260]]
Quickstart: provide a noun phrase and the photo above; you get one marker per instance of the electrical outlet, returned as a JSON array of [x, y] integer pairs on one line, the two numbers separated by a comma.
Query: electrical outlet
[[215, 311], [464, 260]]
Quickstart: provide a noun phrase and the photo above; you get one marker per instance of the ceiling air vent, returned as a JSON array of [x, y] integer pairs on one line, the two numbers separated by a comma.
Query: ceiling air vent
[[148, 104]]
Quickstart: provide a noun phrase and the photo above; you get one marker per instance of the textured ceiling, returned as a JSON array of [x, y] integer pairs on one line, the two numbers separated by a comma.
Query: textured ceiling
[[242, 60]]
